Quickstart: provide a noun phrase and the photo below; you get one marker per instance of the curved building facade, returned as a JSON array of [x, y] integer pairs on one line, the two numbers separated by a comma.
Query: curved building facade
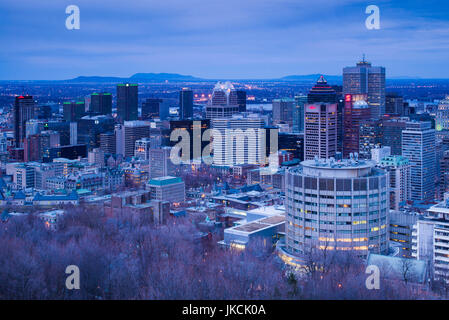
[[336, 206]]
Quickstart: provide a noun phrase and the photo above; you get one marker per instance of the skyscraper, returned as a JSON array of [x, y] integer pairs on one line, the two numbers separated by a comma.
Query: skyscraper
[[322, 92], [283, 110], [185, 103], [418, 145], [127, 101], [369, 80], [356, 110], [298, 113], [239, 140], [370, 137], [320, 131], [394, 104], [392, 134], [24, 110], [73, 111], [224, 102], [101, 103], [241, 100], [196, 130], [155, 108]]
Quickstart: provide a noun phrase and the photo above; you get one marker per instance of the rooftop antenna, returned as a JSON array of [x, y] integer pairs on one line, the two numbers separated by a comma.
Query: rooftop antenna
[[363, 58]]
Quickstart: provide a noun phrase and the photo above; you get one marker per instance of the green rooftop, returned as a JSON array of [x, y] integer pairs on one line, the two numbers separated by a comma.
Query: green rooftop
[[163, 181]]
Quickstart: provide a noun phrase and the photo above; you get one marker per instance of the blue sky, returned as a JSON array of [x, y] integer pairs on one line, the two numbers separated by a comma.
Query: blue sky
[[221, 39]]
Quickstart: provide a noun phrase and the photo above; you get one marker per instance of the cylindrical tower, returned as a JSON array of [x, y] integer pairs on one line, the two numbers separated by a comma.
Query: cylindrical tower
[[337, 206]]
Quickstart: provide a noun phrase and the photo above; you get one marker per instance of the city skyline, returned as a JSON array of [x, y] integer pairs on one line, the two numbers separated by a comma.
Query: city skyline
[[250, 40]]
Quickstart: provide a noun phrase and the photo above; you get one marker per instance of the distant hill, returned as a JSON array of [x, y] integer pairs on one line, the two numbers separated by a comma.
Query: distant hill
[[163, 76], [138, 77], [311, 77]]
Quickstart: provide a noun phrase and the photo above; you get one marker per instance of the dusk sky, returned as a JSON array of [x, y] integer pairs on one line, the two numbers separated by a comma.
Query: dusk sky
[[221, 39]]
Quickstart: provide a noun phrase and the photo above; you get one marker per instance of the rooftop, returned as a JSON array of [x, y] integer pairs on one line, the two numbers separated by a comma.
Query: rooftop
[[338, 164], [163, 181]]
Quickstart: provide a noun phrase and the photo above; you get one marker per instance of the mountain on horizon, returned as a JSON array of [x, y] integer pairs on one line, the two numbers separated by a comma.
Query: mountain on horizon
[[138, 77], [162, 77]]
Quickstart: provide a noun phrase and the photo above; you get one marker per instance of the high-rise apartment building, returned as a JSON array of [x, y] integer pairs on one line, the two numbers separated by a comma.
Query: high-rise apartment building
[[400, 180], [367, 79], [418, 145]]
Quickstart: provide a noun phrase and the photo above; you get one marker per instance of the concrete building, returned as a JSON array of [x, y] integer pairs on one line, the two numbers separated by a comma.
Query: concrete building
[[336, 206], [401, 228], [127, 135], [377, 154], [263, 224], [400, 180], [137, 203], [160, 162], [430, 240], [167, 188], [142, 149], [96, 157]]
